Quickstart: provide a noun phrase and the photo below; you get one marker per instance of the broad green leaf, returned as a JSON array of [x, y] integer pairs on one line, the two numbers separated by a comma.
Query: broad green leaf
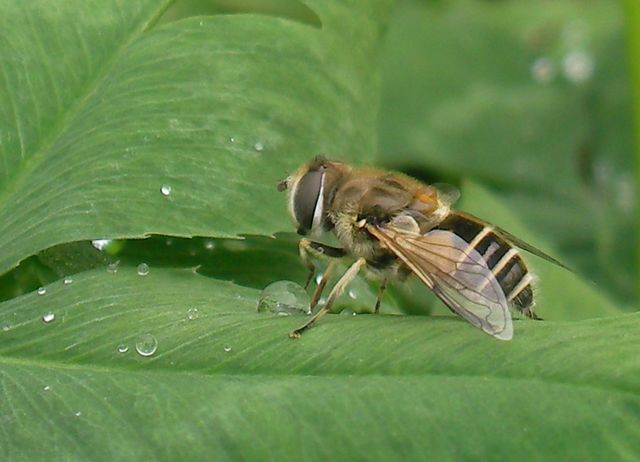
[[229, 383], [100, 110], [463, 97]]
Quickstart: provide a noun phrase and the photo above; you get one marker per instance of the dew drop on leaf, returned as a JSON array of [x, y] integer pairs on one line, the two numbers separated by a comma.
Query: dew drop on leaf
[[142, 269], [258, 146], [146, 344], [227, 348], [284, 297], [67, 281], [42, 291], [123, 348], [165, 190], [48, 317], [113, 267], [192, 313]]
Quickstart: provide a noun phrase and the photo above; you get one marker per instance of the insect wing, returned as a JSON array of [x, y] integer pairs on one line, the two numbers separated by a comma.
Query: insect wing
[[448, 194], [456, 273]]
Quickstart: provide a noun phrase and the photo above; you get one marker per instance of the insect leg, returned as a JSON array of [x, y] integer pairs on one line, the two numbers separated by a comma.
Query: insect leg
[[337, 290], [383, 287], [323, 283], [309, 248]]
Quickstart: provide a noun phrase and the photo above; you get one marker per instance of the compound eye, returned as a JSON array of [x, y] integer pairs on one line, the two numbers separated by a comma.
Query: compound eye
[[307, 199]]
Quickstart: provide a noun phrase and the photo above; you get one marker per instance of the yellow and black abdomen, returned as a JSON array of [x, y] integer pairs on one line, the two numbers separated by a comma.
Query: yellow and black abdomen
[[501, 257]]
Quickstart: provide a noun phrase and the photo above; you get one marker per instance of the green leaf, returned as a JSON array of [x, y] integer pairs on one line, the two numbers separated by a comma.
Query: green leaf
[[100, 110], [230, 383]]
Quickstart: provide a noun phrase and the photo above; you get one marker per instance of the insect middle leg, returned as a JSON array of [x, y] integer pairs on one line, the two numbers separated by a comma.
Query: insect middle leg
[[337, 290]]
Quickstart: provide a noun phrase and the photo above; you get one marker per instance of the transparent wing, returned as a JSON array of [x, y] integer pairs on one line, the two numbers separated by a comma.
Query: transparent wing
[[448, 194], [457, 274]]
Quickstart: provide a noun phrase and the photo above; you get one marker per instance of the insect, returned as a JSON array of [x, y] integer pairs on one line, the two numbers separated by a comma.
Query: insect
[[396, 226]]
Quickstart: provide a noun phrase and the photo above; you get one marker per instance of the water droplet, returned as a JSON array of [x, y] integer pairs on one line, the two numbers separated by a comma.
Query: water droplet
[[146, 344], [348, 312], [318, 278], [67, 281], [543, 70], [192, 313], [578, 66], [227, 348], [48, 317], [78, 414], [47, 388], [232, 140], [258, 146], [284, 297], [142, 269], [165, 190], [42, 291], [353, 294], [113, 267], [209, 245], [123, 348], [101, 244], [6, 326]]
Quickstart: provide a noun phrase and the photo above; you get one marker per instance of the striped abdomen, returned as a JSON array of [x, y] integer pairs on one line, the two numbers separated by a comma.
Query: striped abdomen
[[501, 257]]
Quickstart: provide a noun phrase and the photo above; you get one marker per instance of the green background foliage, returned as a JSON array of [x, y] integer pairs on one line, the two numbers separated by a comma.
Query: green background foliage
[[102, 103]]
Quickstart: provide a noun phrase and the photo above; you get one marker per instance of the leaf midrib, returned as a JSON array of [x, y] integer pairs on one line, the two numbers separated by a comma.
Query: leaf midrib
[[62, 366]]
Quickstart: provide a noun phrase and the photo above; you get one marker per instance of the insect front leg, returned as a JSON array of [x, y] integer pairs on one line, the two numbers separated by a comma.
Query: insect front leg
[[337, 290], [309, 249]]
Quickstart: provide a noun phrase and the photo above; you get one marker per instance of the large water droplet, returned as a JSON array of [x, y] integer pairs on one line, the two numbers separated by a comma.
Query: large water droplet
[[165, 190], [123, 348], [142, 269], [284, 297], [42, 291], [146, 344], [48, 317], [113, 267], [192, 313], [67, 281]]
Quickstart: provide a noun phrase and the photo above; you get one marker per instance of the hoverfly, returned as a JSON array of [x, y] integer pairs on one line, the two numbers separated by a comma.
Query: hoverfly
[[396, 226]]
